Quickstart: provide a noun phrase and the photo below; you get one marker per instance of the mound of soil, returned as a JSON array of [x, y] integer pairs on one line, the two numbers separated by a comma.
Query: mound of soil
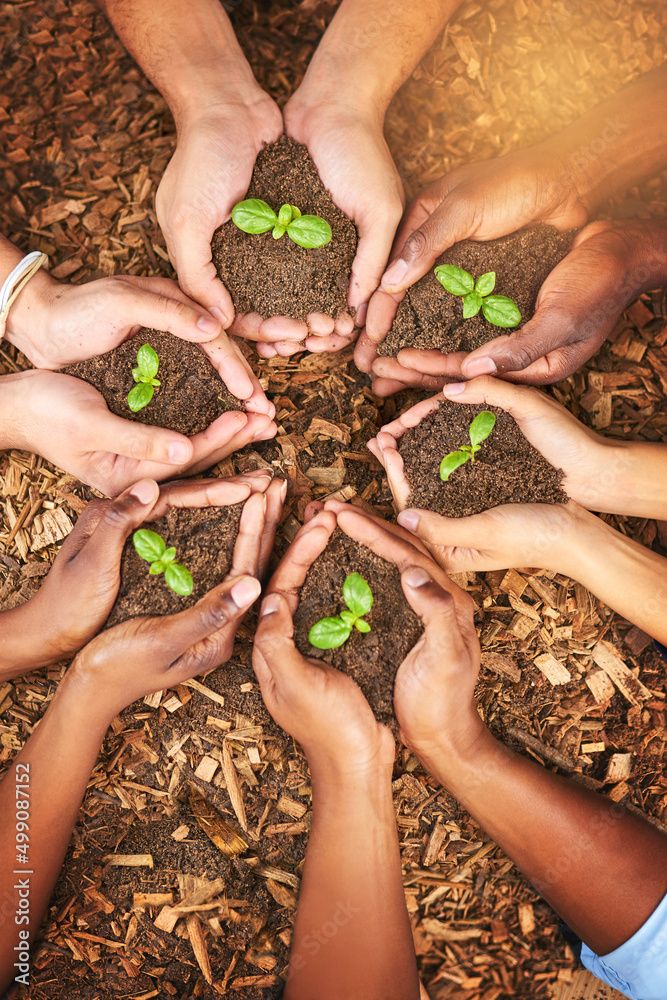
[[507, 469], [373, 658], [191, 394], [204, 541], [430, 317], [277, 277]]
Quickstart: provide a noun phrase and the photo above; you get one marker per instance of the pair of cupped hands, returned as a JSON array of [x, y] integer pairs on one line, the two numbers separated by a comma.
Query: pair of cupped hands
[[310, 700]]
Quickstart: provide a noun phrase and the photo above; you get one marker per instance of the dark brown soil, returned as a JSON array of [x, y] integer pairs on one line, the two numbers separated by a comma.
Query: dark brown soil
[[371, 659], [204, 540], [191, 394], [507, 469], [431, 317], [277, 277]]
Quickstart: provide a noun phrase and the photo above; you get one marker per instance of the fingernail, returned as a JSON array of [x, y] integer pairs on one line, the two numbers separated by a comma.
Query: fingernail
[[394, 273], [453, 388], [179, 452], [416, 577], [479, 366], [144, 491], [360, 315], [245, 592], [283, 490], [208, 324], [408, 519], [220, 316], [270, 605]]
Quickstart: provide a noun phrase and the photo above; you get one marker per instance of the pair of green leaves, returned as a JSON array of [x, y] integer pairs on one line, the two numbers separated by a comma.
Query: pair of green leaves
[[145, 372], [479, 430], [152, 547], [497, 309], [256, 216], [330, 633]]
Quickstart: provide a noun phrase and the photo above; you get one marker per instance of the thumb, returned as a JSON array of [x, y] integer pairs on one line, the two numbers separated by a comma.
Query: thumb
[[120, 517], [450, 532], [375, 238], [142, 442], [181, 316], [437, 609], [181, 636], [422, 248], [190, 251], [274, 653]]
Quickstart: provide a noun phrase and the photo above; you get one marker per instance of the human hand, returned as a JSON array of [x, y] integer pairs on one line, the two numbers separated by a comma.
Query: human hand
[[76, 597], [319, 706], [67, 422], [479, 201], [57, 324], [349, 150], [609, 265], [592, 464], [148, 654]]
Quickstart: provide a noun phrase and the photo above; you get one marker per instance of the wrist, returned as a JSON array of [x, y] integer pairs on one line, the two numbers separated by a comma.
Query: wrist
[[222, 89], [319, 104], [349, 775], [28, 316], [456, 763]]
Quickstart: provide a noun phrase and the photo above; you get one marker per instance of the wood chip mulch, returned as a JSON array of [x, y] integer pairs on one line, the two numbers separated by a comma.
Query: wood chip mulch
[[183, 872]]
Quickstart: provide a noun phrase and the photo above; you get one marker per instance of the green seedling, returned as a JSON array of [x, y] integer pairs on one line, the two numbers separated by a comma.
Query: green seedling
[[255, 216], [152, 547], [476, 295], [145, 372], [330, 633], [478, 431]]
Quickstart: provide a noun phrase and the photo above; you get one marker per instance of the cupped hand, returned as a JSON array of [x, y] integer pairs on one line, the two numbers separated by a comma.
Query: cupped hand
[[67, 422], [319, 706], [592, 464], [149, 654], [479, 201], [609, 265], [355, 165], [56, 324], [209, 172]]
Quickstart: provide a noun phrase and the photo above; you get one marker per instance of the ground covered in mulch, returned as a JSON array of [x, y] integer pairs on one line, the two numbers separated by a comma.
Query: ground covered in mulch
[[506, 469], [278, 277], [190, 396], [86, 142], [371, 658], [430, 317]]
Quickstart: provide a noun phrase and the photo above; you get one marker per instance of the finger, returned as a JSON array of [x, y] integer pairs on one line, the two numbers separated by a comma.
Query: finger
[[312, 510], [308, 543], [283, 328], [201, 638], [373, 534], [382, 309], [393, 463], [103, 527], [386, 387], [275, 498], [266, 351], [376, 235], [217, 445], [440, 612], [246, 548], [474, 532], [365, 353], [286, 348], [138, 441], [274, 653], [319, 324], [344, 324], [448, 223], [230, 366], [257, 401], [395, 530], [320, 345], [158, 311], [202, 493], [524, 404], [190, 252], [411, 417], [432, 362], [389, 368]]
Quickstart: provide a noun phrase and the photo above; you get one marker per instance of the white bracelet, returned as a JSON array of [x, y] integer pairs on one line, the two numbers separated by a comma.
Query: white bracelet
[[13, 284]]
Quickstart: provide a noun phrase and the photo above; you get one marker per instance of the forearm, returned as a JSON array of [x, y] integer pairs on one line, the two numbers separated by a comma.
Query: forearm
[[188, 51], [352, 935], [21, 645], [603, 869], [633, 476], [626, 576], [370, 48], [620, 143], [48, 779]]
